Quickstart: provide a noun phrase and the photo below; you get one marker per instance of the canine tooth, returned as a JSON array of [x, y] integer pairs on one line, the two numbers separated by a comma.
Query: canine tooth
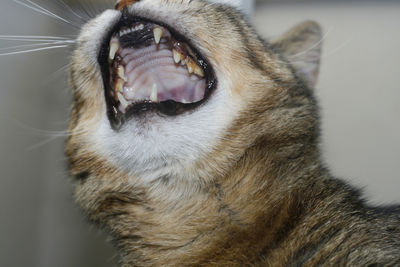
[[122, 100], [154, 93], [177, 56], [114, 46], [120, 85], [158, 32], [121, 72], [184, 101]]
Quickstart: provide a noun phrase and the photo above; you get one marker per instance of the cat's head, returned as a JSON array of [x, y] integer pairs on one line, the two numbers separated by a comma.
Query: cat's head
[[181, 89]]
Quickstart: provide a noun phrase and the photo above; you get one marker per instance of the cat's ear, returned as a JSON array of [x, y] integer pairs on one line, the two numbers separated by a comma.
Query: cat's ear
[[302, 46]]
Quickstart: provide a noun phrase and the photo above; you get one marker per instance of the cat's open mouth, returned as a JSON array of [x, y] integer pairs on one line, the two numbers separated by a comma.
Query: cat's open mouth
[[148, 66]]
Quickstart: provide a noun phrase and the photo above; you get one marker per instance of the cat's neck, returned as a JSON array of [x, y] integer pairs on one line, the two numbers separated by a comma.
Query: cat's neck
[[240, 215]]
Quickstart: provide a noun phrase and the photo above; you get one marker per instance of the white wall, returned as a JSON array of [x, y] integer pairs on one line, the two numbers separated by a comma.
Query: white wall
[[247, 6], [359, 87], [39, 223]]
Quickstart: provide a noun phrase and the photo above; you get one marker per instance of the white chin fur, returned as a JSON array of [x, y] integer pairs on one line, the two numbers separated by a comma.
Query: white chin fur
[[158, 145], [161, 145]]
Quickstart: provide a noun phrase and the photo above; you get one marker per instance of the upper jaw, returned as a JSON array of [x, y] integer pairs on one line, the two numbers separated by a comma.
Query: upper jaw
[[148, 66]]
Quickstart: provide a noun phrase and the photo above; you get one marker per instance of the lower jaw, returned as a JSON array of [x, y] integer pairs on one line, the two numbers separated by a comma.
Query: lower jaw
[[168, 108]]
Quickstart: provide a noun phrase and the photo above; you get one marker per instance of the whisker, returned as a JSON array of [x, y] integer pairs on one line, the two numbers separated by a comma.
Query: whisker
[[339, 47], [36, 40], [33, 130], [72, 11], [83, 8], [48, 11], [312, 47], [44, 11], [38, 37], [42, 143], [33, 50], [27, 46], [56, 73]]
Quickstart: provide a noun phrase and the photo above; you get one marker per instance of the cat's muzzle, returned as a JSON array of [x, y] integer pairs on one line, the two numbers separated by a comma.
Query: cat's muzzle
[[147, 66]]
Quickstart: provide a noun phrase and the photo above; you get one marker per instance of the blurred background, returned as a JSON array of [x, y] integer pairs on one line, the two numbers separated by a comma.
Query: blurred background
[[359, 92]]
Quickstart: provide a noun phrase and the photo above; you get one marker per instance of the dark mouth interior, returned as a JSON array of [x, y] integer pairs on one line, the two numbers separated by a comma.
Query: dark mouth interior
[[148, 66]]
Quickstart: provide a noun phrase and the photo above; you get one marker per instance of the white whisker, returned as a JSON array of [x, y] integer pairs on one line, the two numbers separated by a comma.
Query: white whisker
[[38, 37], [54, 75], [42, 143], [315, 45], [36, 131], [38, 40], [44, 11], [26, 46], [48, 11], [333, 51], [27, 40], [33, 50], [72, 11]]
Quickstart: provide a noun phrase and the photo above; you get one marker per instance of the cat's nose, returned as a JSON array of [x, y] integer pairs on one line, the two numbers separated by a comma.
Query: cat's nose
[[121, 4]]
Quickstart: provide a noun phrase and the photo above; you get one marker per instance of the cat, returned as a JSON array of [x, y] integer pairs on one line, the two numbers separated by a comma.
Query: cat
[[196, 143]]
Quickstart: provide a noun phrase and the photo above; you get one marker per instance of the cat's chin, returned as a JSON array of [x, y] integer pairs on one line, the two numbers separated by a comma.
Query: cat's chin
[[148, 66]]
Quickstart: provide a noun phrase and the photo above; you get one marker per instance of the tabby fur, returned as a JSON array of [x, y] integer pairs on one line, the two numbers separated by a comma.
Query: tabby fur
[[251, 188]]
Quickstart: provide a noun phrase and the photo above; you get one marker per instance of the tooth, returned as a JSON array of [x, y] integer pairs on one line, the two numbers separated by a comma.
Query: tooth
[[190, 68], [121, 73], [198, 71], [184, 101], [190, 65], [177, 56], [120, 85], [138, 27], [114, 46], [154, 93], [193, 67], [158, 32], [122, 100]]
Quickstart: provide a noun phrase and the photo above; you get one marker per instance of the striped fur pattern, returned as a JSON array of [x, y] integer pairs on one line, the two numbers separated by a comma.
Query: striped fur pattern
[[237, 182]]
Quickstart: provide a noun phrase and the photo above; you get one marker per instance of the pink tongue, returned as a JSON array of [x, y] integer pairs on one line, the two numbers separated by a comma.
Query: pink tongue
[[153, 67]]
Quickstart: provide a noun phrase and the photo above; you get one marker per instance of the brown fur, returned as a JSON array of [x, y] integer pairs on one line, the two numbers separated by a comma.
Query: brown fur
[[262, 197], [121, 4]]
